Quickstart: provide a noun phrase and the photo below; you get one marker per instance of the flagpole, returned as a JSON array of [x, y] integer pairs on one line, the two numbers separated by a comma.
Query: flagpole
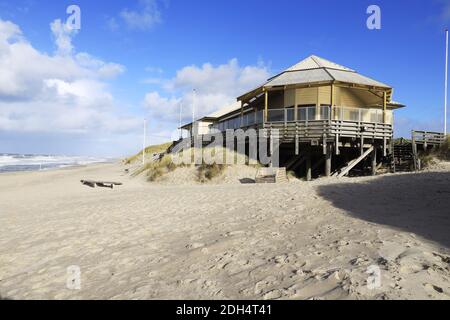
[[193, 106], [193, 112], [144, 142], [446, 82], [181, 111]]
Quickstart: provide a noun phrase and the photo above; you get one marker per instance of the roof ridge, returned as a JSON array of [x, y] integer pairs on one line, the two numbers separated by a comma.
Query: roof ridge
[[313, 57]]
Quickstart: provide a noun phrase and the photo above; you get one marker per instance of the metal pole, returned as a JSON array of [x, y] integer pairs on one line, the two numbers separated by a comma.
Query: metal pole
[[446, 81], [181, 130], [144, 142], [193, 106]]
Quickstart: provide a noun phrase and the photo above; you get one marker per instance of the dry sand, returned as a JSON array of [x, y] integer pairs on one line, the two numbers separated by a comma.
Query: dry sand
[[228, 241]]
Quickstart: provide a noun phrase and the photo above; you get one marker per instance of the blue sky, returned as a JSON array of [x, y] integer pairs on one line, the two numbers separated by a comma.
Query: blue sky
[[137, 59]]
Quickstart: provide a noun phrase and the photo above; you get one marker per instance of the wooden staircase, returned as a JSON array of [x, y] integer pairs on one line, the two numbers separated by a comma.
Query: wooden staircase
[[403, 158]]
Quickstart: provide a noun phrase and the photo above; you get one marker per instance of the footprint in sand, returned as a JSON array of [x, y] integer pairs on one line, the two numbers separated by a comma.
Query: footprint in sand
[[264, 284], [272, 295], [195, 245], [433, 290]]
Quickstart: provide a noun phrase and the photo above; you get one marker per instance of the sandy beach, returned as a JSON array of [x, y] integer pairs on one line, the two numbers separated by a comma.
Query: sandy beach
[[297, 240]]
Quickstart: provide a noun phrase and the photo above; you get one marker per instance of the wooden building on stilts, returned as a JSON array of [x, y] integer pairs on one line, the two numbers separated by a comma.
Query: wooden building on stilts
[[329, 118]]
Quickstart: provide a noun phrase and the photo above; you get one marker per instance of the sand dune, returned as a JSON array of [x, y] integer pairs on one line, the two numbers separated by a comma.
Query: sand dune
[[224, 241]]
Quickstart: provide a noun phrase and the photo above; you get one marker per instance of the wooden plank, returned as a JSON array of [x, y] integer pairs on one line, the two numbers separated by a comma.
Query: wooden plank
[[352, 164], [374, 161], [328, 160], [308, 167]]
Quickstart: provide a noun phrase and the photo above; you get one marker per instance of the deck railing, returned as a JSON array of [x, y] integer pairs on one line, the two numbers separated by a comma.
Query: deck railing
[[428, 138], [368, 115], [305, 115]]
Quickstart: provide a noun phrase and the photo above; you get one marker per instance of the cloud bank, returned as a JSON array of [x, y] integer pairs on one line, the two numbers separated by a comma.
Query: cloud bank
[[215, 86]]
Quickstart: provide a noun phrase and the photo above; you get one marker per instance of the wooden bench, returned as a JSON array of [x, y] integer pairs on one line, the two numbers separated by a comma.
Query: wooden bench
[[101, 184]]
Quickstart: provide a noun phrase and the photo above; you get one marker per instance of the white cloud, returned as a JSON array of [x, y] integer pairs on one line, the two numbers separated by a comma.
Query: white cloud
[[144, 19], [216, 87], [63, 93], [63, 37]]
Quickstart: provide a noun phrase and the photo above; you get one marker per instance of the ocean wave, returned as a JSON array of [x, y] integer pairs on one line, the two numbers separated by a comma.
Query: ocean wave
[[27, 162]]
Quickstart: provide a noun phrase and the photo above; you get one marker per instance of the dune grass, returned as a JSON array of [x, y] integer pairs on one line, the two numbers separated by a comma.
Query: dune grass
[[149, 150], [207, 172], [441, 154], [204, 172]]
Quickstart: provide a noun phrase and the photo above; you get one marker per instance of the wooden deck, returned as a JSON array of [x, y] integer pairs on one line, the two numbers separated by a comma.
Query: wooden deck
[[329, 130]]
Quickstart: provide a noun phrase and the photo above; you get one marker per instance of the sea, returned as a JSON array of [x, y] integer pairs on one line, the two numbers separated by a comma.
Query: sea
[[10, 162]]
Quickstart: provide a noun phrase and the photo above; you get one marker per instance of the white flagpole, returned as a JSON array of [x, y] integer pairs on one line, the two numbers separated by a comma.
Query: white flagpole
[[181, 111], [446, 82], [193, 112], [193, 106], [144, 142]]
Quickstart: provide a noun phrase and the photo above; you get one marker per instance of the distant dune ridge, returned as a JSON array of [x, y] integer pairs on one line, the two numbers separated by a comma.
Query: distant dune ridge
[[180, 239]]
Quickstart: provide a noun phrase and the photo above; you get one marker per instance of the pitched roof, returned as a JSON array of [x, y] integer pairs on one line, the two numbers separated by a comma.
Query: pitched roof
[[315, 69], [315, 62], [225, 110]]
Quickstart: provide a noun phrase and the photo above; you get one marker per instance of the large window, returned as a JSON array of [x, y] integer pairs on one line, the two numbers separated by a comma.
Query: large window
[[306, 112]]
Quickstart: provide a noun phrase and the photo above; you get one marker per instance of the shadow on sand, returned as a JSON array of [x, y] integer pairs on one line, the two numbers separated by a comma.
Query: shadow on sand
[[417, 203], [247, 181]]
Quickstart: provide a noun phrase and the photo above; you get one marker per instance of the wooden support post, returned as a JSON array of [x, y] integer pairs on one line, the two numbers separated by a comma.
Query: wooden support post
[[270, 143], [297, 145], [308, 166], [374, 161], [362, 144], [266, 106], [328, 161], [384, 147], [384, 106], [336, 145]]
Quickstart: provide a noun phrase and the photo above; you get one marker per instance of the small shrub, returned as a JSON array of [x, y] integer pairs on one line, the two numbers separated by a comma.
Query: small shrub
[[154, 173], [207, 172], [442, 153]]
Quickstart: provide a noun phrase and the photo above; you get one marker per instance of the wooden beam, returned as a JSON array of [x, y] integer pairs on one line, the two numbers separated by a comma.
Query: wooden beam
[[353, 163], [328, 161], [374, 161], [308, 166], [384, 106]]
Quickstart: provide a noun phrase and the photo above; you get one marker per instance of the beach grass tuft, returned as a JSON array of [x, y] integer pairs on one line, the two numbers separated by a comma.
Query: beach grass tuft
[[207, 172], [433, 156], [155, 170]]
